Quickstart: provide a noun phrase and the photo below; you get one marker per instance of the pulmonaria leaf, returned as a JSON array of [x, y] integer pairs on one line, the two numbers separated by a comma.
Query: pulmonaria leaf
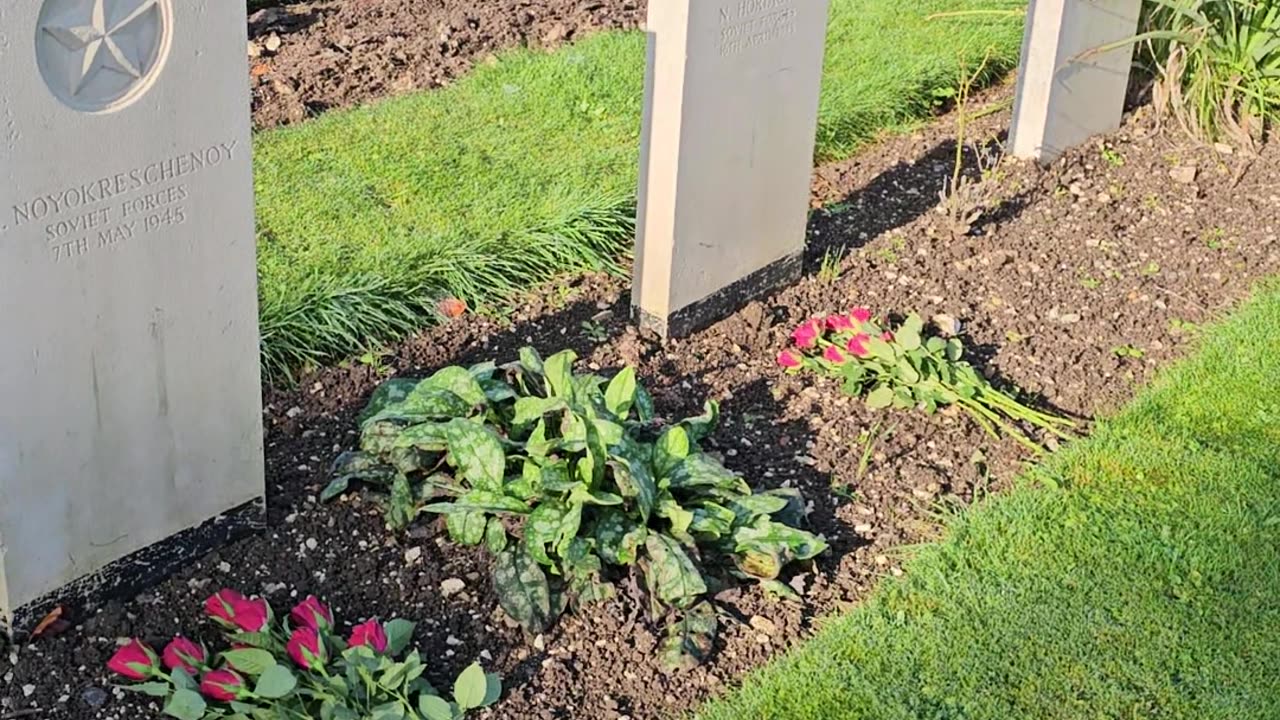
[[522, 589], [427, 403], [543, 529], [356, 466], [481, 501], [749, 507], [409, 460], [689, 640], [531, 361], [582, 568], [795, 512], [559, 373], [672, 575], [701, 427], [428, 436], [497, 391], [618, 537], [457, 380], [766, 547], [477, 453], [634, 480], [679, 517], [389, 393], [466, 528], [670, 450], [529, 409], [701, 471], [620, 395], [712, 520], [401, 506], [586, 390], [495, 535], [644, 405]]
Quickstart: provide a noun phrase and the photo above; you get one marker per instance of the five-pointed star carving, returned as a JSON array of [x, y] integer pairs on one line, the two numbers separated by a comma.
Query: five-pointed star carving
[[104, 39]]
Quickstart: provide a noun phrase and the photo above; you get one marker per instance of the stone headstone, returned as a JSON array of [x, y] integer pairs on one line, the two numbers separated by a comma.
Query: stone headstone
[[129, 368], [1067, 90], [731, 111]]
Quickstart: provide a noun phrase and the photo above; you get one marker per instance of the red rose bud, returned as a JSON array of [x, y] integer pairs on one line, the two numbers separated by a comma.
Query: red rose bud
[[311, 613], [306, 648], [182, 653], [858, 345], [370, 635], [887, 336], [134, 661], [221, 607], [252, 616], [789, 360], [860, 315], [839, 323], [833, 354], [807, 335], [223, 685]]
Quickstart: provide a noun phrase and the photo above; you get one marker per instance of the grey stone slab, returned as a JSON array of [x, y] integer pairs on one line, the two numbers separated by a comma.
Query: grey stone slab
[[731, 111], [130, 401]]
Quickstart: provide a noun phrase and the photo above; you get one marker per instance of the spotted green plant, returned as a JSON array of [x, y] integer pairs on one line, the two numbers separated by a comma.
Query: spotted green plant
[[570, 480]]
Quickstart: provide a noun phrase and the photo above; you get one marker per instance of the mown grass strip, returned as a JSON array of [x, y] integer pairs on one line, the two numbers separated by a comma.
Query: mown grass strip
[[1141, 583], [527, 168]]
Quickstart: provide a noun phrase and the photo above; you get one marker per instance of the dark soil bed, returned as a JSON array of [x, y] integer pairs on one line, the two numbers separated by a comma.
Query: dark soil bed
[[1083, 279], [309, 57]]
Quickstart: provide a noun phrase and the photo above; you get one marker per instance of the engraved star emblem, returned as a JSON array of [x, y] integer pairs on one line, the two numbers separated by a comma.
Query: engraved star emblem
[[106, 37]]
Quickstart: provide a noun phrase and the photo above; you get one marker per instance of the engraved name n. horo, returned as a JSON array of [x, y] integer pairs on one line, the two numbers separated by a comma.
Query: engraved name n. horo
[[105, 211], [747, 24]]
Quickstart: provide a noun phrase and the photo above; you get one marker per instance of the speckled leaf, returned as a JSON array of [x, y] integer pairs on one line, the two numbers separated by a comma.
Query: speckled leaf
[[586, 390], [522, 590], [764, 549], [749, 507], [670, 450], [495, 535], [701, 427], [680, 518], [427, 403], [672, 575], [634, 480], [644, 405], [477, 452], [531, 360], [712, 520], [556, 478], [482, 501], [705, 472], [457, 380], [620, 395], [388, 393], [559, 372], [538, 445], [356, 466], [429, 436], [466, 528], [689, 640], [379, 436], [400, 506], [497, 391], [529, 409], [582, 568], [618, 538], [794, 512], [543, 529], [611, 433], [585, 496]]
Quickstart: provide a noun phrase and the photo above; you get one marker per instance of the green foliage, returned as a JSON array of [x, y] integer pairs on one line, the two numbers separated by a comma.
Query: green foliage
[[1218, 64], [368, 216], [567, 480]]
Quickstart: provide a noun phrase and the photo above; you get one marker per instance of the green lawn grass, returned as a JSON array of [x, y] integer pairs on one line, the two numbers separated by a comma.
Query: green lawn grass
[[527, 168], [1139, 579]]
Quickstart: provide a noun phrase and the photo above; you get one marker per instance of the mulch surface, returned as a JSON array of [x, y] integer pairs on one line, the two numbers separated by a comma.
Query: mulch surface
[[1078, 281], [309, 57]]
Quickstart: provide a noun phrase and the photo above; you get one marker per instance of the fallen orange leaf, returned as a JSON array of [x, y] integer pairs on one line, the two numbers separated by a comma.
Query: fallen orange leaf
[[260, 69], [49, 621], [452, 307]]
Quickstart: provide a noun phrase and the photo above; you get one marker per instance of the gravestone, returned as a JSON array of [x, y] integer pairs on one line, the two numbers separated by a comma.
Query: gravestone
[[131, 425], [1067, 91], [731, 110]]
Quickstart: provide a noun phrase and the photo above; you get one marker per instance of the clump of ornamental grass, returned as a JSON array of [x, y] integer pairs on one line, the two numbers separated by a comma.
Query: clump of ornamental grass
[[1217, 65], [296, 669], [572, 483], [902, 369]]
